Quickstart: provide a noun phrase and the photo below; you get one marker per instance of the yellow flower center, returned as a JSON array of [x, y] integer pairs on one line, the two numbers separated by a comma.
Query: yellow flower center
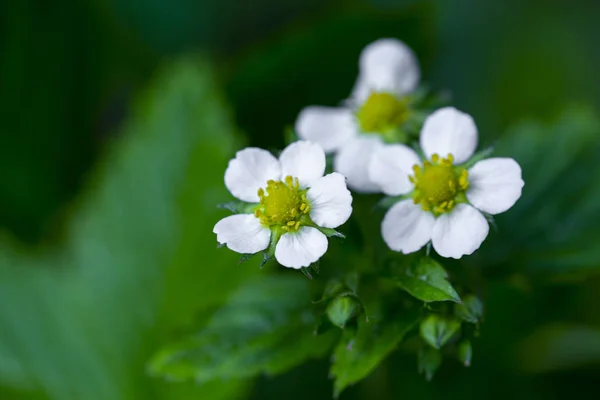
[[381, 112], [283, 204], [438, 185]]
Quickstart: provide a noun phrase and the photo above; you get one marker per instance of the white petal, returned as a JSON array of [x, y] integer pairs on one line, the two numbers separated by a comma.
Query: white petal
[[330, 201], [406, 227], [459, 232], [386, 65], [449, 131], [390, 167], [352, 161], [300, 249], [330, 127], [495, 184], [250, 170], [303, 160], [242, 233]]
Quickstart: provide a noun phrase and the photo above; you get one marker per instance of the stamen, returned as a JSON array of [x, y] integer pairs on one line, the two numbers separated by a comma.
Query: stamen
[[284, 204], [438, 185], [382, 112]]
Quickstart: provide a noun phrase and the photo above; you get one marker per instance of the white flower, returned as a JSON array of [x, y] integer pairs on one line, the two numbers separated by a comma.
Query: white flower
[[447, 200], [294, 201], [378, 106]]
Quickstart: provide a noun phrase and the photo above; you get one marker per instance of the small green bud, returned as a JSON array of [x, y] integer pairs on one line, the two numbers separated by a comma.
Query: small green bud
[[342, 309], [465, 352], [471, 309], [437, 330]]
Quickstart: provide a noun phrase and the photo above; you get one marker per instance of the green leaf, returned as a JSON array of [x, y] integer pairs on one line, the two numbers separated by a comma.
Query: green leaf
[[471, 309], [425, 279], [138, 257], [265, 327], [465, 353], [360, 352], [437, 330], [429, 361]]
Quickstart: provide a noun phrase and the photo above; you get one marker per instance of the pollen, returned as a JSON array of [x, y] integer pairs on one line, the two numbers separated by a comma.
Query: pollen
[[381, 112], [283, 204], [439, 186]]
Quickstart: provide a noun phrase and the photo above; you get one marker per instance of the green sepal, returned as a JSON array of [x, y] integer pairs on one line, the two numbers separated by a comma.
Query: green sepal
[[306, 272], [238, 207], [265, 260], [437, 330], [316, 266], [246, 257], [388, 201], [491, 220], [269, 253], [429, 361], [330, 232], [480, 155]]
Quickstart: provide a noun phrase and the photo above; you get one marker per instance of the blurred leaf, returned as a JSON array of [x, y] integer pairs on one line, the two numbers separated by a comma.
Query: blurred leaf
[[61, 92], [425, 279], [265, 327], [437, 330], [360, 352], [553, 227], [471, 309], [465, 353], [559, 347], [138, 258], [429, 361]]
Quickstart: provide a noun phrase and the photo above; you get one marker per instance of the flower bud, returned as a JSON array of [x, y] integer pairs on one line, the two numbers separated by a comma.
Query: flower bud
[[342, 309], [465, 353]]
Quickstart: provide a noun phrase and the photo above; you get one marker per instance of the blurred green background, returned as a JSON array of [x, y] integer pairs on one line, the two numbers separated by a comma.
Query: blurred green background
[[119, 117]]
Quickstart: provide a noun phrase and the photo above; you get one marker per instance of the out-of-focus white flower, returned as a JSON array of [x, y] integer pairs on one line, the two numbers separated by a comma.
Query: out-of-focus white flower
[[293, 203], [378, 106], [447, 199]]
